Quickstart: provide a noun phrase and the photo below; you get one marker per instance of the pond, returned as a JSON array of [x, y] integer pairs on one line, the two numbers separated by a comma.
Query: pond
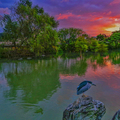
[[41, 89]]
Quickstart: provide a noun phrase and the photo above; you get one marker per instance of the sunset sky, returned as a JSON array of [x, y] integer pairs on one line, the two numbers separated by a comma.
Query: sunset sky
[[92, 16]]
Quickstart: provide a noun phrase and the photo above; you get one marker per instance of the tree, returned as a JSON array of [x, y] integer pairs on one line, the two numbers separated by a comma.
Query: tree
[[66, 34], [30, 21], [117, 31], [115, 39], [10, 30], [68, 37], [85, 36], [46, 42], [100, 37], [81, 44], [94, 45], [102, 48], [1, 36]]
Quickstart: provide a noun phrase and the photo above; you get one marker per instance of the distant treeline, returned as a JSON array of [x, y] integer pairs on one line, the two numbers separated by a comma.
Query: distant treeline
[[33, 32]]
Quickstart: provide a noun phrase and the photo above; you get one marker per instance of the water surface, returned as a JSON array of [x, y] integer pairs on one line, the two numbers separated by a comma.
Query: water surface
[[41, 89]]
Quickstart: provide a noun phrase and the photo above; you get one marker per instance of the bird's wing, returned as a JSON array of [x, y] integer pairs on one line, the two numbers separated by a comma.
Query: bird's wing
[[81, 85]]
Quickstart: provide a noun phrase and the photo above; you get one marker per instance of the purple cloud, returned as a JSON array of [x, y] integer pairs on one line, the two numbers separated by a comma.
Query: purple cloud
[[93, 16]]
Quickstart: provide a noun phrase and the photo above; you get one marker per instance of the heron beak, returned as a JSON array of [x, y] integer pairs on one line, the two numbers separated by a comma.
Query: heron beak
[[93, 84]]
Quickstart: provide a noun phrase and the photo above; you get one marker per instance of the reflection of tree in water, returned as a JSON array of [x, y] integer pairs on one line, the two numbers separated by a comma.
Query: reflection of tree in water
[[38, 80], [115, 57], [73, 66], [81, 67], [97, 60], [94, 66]]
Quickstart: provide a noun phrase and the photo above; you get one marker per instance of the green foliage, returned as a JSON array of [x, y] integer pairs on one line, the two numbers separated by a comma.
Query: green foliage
[[32, 20], [48, 40], [1, 50], [68, 34], [100, 37], [115, 37], [1, 36], [94, 45], [10, 30], [112, 45], [30, 26], [114, 40], [68, 38], [4, 53], [81, 44], [102, 48], [85, 35]]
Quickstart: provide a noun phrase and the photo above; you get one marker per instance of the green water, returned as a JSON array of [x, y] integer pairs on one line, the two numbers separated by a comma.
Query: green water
[[41, 89]]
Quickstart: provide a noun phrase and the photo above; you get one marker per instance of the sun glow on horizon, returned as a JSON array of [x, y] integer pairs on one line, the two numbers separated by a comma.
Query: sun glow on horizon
[[116, 28]]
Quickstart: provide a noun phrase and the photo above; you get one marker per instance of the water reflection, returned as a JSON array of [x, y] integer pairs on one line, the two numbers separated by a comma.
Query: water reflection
[[37, 80], [31, 83], [73, 66]]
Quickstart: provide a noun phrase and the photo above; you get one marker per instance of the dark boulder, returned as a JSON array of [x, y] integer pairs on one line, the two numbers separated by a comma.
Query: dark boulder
[[84, 108], [117, 115]]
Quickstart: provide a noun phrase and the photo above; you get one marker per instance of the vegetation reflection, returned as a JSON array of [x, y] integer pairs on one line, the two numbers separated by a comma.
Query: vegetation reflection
[[38, 80], [32, 81]]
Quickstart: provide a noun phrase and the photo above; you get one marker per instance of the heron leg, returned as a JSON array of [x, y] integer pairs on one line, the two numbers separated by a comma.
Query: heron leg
[[84, 95]]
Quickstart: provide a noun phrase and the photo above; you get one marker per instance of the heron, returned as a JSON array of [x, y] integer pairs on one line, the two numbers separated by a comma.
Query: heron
[[84, 86]]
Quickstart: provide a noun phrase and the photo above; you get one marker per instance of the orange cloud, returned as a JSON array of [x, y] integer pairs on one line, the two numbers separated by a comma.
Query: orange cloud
[[115, 2], [96, 27], [115, 17], [96, 18], [92, 23], [101, 28]]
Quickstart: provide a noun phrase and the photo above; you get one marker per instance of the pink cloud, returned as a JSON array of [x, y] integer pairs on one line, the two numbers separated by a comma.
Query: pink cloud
[[4, 11], [109, 13], [115, 2], [66, 16], [93, 24]]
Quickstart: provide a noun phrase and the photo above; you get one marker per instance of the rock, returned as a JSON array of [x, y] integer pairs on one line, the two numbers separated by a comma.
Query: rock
[[43, 55], [29, 58], [20, 59], [116, 116], [84, 108]]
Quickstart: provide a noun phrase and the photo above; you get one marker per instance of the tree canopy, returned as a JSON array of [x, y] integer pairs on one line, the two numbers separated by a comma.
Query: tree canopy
[[68, 37], [29, 27], [27, 22]]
